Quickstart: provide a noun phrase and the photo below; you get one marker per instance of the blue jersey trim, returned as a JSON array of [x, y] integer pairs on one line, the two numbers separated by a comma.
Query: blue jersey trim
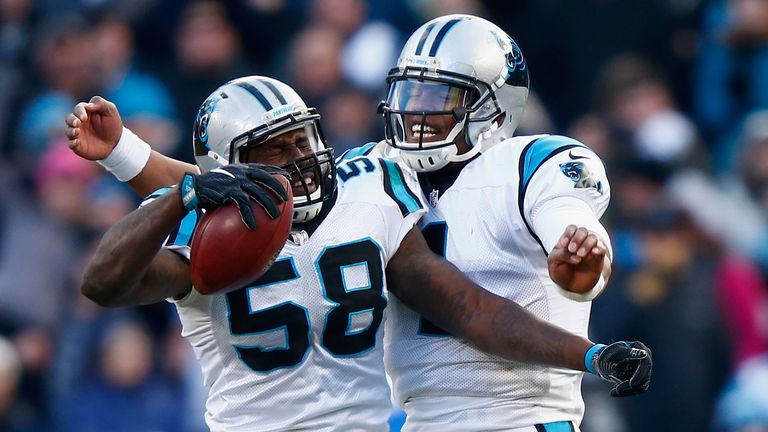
[[534, 155], [187, 227], [182, 233], [157, 193], [363, 150], [541, 150], [560, 426], [397, 189]]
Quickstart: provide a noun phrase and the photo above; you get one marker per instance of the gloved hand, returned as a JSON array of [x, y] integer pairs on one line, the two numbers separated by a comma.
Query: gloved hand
[[238, 183], [626, 364]]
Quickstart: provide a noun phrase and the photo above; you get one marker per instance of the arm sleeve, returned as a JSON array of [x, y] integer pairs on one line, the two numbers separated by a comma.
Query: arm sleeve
[[180, 239], [551, 218], [567, 184], [556, 171], [550, 222]]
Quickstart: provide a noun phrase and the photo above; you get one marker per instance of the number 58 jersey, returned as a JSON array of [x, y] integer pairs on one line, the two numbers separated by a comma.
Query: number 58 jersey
[[301, 348]]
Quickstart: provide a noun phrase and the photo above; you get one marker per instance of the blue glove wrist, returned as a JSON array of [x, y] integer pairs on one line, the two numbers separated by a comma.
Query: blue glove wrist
[[188, 195], [590, 355]]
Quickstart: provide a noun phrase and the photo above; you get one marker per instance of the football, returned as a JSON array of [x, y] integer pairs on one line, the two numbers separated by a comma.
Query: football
[[226, 255]]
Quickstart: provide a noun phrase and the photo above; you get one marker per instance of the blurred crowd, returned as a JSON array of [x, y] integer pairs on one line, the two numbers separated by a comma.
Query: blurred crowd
[[672, 94]]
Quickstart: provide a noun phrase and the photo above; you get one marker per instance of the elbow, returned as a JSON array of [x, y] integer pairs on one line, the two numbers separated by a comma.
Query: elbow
[[100, 291]]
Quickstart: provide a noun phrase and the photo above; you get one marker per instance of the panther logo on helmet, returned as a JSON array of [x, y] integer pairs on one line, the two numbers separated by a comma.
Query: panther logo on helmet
[[516, 67], [201, 126], [476, 67], [243, 115]]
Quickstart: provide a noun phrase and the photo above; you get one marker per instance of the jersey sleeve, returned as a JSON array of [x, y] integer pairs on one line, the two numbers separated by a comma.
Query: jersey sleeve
[[180, 239], [372, 150], [407, 204], [562, 182], [363, 150]]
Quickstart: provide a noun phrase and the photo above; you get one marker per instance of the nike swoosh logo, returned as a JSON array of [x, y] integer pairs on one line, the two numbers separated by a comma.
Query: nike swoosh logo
[[571, 155]]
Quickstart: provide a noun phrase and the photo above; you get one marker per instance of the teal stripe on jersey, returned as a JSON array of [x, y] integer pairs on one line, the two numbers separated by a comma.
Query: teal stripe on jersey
[[541, 150], [561, 426], [158, 193], [533, 157], [186, 228], [363, 150], [396, 188]]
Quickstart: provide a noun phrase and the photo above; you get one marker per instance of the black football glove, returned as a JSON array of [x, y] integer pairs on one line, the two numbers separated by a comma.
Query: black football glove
[[237, 183], [626, 364]]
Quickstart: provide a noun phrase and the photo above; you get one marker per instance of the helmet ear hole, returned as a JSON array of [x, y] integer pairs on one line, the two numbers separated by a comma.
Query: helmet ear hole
[[499, 120]]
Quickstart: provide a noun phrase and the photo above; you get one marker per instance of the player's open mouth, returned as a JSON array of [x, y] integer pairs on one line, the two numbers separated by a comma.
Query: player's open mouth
[[424, 131], [298, 186]]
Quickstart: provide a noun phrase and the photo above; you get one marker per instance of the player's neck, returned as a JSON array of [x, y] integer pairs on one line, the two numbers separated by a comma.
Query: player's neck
[[442, 179]]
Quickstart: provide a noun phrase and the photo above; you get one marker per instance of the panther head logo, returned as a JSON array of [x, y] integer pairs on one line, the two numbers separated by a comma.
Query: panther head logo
[[201, 126], [581, 176]]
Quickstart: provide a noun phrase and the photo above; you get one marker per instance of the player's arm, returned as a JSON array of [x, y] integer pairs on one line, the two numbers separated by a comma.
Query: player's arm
[[159, 171], [564, 192], [129, 266], [433, 287], [95, 132]]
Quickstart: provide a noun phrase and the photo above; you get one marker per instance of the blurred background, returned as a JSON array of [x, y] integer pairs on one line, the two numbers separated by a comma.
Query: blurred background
[[672, 94]]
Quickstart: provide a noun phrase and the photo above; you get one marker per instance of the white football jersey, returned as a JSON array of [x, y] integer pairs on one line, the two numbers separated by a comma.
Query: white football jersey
[[301, 348], [483, 224]]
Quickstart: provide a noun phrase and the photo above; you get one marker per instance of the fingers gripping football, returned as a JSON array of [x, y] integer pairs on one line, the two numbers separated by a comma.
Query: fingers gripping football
[[626, 364], [238, 184]]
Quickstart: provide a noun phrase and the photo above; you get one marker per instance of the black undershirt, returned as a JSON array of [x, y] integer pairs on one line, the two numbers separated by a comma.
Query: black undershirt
[[442, 179]]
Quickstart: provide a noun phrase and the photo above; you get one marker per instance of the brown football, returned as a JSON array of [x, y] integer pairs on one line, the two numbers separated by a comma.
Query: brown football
[[226, 255]]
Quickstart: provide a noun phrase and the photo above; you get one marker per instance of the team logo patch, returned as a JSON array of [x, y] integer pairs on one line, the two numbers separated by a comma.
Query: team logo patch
[[434, 197], [581, 176]]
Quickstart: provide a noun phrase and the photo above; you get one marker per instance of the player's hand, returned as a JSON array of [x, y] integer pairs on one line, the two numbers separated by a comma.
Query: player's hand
[[626, 364], [577, 260], [94, 128], [237, 183]]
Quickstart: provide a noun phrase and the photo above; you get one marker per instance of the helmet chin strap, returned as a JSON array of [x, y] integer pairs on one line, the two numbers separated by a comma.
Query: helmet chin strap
[[220, 160], [415, 158], [475, 149]]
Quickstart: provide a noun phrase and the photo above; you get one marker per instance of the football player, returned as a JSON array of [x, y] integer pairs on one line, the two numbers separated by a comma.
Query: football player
[[517, 215], [301, 347]]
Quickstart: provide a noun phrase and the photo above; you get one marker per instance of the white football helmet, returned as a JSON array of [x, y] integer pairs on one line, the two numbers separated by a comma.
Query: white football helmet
[[249, 111], [464, 69]]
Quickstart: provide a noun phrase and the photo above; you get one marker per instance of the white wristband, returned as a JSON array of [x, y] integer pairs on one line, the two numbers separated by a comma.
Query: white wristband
[[587, 296], [128, 158]]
